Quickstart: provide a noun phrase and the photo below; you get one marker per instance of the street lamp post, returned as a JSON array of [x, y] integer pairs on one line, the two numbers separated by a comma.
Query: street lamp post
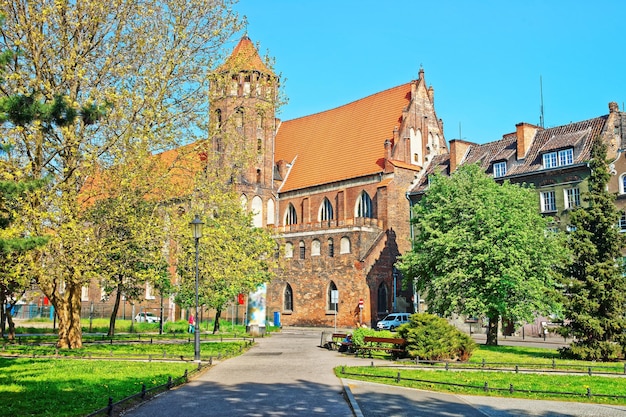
[[196, 230]]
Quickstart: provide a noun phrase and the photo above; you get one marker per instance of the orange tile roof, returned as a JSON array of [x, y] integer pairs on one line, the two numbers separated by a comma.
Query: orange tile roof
[[342, 143], [244, 57]]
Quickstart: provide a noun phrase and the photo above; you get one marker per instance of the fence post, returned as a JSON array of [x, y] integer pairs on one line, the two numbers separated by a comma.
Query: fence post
[[169, 382], [398, 377], [516, 369], [446, 366], [511, 388], [372, 364], [110, 407], [589, 371], [186, 376], [143, 391], [486, 387], [483, 362], [553, 363], [588, 392], [199, 365]]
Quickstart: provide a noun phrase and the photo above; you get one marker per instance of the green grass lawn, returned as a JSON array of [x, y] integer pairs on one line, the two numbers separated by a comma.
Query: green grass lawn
[[76, 386], [472, 382], [55, 388]]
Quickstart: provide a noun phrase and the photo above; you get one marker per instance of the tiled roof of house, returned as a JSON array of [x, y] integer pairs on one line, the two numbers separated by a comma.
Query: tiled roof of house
[[342, 143], [244, 57], [578, 136]]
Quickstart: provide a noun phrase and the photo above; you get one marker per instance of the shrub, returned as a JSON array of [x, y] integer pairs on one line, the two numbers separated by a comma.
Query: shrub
[[598, 351], [358, 336], [433, 338]]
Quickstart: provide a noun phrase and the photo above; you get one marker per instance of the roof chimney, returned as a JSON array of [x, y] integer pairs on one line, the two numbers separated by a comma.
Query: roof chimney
[[458, 149], [525, 134]]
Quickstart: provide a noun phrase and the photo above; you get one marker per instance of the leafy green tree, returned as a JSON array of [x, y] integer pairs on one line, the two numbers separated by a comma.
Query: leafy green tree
[[595, 290], [141, 67], [482, 249], [234, 256]]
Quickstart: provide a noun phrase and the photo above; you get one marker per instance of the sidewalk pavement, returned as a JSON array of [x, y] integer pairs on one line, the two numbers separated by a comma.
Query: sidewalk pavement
[[289, 374]]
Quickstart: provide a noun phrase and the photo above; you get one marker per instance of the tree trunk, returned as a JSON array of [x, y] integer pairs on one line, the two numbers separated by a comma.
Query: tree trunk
[[492, 331], [216, 325], [11, 328], [116, 308], [68, 310]]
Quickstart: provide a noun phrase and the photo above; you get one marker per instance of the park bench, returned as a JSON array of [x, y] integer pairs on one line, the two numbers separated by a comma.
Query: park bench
[[392, 345], [336, 340]]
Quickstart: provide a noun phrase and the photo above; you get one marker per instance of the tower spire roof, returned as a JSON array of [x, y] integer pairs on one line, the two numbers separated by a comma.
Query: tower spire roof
[[244, 57]]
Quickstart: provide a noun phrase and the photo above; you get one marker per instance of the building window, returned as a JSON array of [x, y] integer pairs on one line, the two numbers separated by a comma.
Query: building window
[[246, 85], [364, 206], [84, 294], [548, 201], [288, 250], [291, 217], [622, 184], [549, 160], [331, 248], [259, 146], [149, 292], [315, 247], [560, 158], [288, 298], [302, 250], [218, 119], [566, 157], [239, 118], [382, 298], [572, 197], [345, 245], [622, 222], [326, 210], [331, 303], [499, 169]]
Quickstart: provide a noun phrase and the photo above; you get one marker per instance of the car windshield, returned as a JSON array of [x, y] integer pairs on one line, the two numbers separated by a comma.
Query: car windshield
[[390, 317]]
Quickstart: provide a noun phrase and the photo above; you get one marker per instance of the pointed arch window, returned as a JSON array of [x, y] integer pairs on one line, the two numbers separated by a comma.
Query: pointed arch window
[[364, 206], [288, 298], [326, 210], [291, 217], [330, 305], [270, 211], [382, 298], [257, 211]]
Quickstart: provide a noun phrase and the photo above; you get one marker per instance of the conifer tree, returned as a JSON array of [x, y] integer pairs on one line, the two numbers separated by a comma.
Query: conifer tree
[[595, 291]]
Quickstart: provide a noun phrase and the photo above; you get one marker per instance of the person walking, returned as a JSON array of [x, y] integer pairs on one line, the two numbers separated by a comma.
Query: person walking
[[192, 324]]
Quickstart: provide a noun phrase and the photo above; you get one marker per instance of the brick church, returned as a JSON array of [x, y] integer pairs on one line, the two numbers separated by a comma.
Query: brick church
[[332, 186]]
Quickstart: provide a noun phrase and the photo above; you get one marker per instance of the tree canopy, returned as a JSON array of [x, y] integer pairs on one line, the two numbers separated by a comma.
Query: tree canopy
[[140, 67], [595, 286], [481, 249]]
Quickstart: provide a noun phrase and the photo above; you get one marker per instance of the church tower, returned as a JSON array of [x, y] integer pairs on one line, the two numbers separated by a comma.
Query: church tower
[[243, 96]]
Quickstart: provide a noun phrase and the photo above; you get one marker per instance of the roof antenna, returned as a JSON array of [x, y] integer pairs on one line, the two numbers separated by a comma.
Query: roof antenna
[[541, 114]]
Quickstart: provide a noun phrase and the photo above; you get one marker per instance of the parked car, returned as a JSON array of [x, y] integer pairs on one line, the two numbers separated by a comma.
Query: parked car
[[392, 321], [147, 318]]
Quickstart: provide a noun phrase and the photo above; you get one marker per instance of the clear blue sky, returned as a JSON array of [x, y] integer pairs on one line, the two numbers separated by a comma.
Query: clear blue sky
[[484, 58]]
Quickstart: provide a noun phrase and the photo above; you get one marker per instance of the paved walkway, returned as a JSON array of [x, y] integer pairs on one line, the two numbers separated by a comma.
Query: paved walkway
[[288, 374]]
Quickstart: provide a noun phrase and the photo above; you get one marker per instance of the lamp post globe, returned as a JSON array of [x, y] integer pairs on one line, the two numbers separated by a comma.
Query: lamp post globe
[[196, 232]]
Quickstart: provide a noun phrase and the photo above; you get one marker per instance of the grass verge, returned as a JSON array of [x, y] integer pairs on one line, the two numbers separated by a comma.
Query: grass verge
[[552, 385]]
